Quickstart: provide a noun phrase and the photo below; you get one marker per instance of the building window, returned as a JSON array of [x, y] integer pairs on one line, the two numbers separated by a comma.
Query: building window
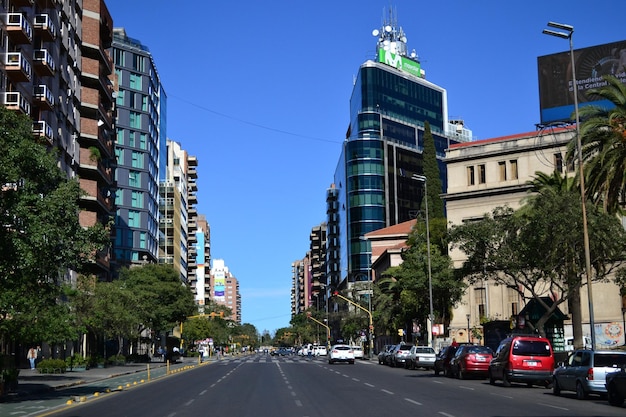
[[119, 155], [558, 162], [514, 301], [119, 58], [143, 240], [514, 174], [480, 299], [131, 139], [138, 63], [502, 170], [482, 174], [135, 81], [120, 136], [137, 159], [119, 100], [136, 199], [135, 120], [144, 103], [133, 218], [470, 176], [143, 141], [134, 178]]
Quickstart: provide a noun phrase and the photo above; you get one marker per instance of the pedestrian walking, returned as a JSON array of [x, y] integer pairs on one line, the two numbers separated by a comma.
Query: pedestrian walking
[[32, 357]]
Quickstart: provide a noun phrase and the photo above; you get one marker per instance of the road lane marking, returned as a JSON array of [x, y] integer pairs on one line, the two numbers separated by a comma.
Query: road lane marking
[[554, 406], [412, 401], [299, 403], [356, 379], [501, 395], [388, 392], [188, 403], [203, 392], [369, 385], [466, 387], [446, 414]]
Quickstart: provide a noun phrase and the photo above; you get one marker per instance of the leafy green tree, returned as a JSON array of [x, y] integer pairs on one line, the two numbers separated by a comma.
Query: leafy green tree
[[163, 301], [40, 236], [603, 137], [538, 249], [432, 173]]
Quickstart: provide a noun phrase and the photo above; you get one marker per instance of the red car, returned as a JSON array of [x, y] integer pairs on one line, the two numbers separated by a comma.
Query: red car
[[471, 360]]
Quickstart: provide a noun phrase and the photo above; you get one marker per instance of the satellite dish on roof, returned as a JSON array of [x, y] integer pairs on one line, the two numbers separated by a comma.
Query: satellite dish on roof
[[403, 39], [387, 28], [375, 32]]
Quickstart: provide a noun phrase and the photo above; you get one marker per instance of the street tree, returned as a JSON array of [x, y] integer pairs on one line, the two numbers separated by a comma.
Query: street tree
[[603, 137], [538, 250], [40, 236]]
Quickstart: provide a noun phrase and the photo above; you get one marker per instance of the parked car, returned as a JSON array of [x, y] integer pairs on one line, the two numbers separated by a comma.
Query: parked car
[[280, 352], [442, 361], [341, 353], [471, 360], [389, 356], [585, 372], [616, 387], [358, 352], [400, 354], [421, 357], [384, 352], [523, 358]]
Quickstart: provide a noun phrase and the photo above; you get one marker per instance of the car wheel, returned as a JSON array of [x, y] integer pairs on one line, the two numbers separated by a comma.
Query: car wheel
[[556, 389], [330, 362], [580, 392], [436, 372], [492, 380], [613, 396], [351, 362], [505, 381], [461, 374]]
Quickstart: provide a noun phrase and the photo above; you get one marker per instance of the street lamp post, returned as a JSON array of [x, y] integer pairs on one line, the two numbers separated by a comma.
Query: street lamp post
[[467, 316], [570, 31], [431, 315]]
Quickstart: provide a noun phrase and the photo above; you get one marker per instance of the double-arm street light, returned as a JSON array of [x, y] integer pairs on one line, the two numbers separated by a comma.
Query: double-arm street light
[[569, 31], [371, 326], [308, 315], [431, 315]]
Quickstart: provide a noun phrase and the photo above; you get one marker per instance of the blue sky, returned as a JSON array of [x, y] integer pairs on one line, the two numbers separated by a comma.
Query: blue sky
[[259, 92]]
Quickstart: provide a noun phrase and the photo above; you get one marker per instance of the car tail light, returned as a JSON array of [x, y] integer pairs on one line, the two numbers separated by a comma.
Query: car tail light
[[590, 374], [471, 358]]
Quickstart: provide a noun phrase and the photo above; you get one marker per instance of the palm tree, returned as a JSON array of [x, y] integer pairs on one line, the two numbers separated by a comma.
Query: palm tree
[[603, 137]]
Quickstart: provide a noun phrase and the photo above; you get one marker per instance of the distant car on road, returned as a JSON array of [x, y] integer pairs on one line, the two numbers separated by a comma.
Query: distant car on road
[[400, 355], [358, 352], [421, 357], [585, 372], [341, 353], [384, 352], [523, 358]]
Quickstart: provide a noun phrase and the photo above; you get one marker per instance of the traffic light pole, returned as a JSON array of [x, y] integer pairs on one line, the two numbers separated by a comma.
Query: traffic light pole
[[327, 329], [371, 327]]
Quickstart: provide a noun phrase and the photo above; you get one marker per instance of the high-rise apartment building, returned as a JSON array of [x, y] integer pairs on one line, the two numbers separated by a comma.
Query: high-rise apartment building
[[225, 289], [200, 281], [58, 70], [373, 186], [178, 215], [139, 148]]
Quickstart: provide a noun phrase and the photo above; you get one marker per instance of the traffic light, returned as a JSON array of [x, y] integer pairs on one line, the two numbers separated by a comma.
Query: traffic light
[[400, 332]]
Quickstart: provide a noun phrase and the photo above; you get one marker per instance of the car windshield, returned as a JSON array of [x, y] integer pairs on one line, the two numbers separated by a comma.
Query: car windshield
[[424, 350], [405, 347], [609, 360], [341, 348], [531, 347]]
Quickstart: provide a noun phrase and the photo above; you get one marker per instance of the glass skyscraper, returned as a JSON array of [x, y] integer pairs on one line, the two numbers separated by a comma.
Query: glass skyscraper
[[390, 103]]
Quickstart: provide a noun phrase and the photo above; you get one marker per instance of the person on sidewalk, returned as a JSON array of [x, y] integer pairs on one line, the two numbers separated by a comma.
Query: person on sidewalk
[[32, 357]]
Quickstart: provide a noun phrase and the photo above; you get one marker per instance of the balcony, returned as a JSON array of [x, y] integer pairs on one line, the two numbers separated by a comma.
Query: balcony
[[18, 28], [44, 64], [44, 97], [17, 67], [15, 101], [44, 27], [43, 130]]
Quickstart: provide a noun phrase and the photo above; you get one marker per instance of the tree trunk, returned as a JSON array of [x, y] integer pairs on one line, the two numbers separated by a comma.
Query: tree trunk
[[575, 311]]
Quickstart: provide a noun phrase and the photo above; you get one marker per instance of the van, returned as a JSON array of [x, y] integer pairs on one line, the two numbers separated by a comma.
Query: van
[[527, 359], [569, 343]]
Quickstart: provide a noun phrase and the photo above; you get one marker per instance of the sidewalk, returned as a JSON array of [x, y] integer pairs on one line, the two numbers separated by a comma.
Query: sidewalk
[[32, 383]]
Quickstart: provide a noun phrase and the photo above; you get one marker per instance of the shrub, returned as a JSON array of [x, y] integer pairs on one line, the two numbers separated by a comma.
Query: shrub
[[136, 358], [75, 361], [51, 366], [117, 360]]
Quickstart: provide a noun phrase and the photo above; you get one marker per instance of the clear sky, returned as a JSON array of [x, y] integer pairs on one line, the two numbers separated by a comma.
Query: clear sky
[[259, 91]]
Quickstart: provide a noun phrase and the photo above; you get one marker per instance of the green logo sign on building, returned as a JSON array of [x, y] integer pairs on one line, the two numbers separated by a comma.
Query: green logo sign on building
[[400, 62]]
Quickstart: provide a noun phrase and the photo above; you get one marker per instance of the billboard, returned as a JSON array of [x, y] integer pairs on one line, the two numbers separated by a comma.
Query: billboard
[[556, 98], [400, 62]]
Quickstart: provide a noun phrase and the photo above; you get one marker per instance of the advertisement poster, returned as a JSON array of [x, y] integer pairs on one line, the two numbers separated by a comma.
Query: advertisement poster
[[609, 335]]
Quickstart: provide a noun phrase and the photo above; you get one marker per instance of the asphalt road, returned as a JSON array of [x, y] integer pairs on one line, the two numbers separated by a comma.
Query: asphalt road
[[263, 386]]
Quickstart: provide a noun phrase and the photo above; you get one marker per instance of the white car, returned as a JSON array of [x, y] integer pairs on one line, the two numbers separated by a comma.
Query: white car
[[421, 357], [320, 351], [358, 352], [341, 353]]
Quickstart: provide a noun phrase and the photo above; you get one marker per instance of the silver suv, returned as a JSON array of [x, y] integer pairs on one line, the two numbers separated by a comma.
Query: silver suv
[[401, 354], [585, 372]]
